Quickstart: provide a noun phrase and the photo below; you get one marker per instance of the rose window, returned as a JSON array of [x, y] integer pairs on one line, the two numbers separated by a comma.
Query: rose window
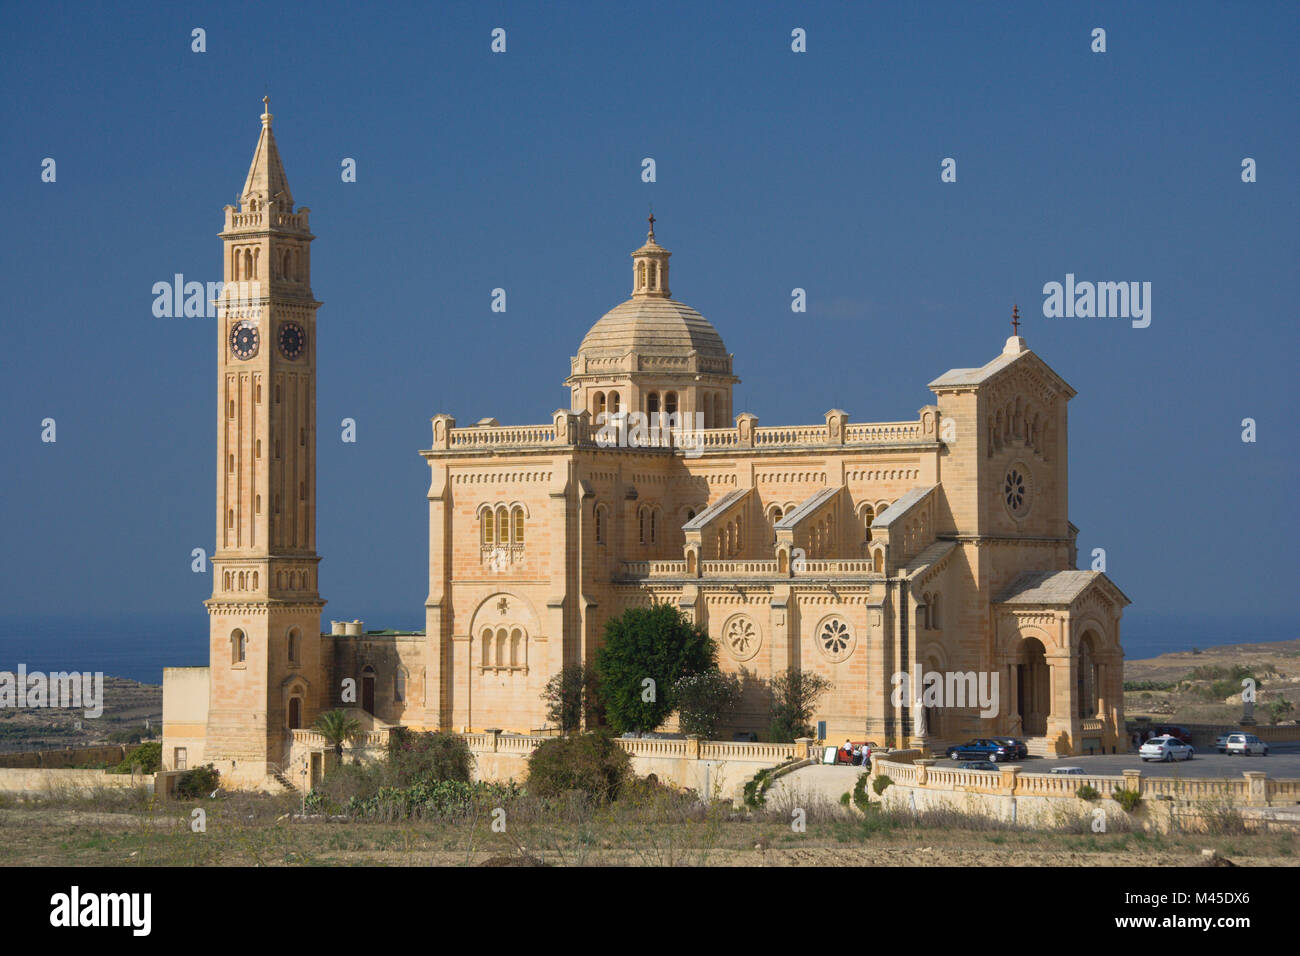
[[741, 638], [835, 638]]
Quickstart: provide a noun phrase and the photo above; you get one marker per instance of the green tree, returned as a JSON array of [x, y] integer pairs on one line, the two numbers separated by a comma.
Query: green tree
[[703, 699], [1279, 709], [569, 696], [794, 699], [646, 650], [337, 727]]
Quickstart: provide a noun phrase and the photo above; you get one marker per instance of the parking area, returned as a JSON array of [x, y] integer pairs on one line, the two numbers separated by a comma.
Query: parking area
[[1283, 760]]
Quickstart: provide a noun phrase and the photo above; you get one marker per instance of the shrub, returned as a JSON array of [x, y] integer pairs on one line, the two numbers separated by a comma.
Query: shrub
[[703, 700], [1087, 792], [656, 642], [198, 782], [880, 783], [146, 758], [1128, 799], [591, 763], [860, 798], [426, 757], [794, 698]]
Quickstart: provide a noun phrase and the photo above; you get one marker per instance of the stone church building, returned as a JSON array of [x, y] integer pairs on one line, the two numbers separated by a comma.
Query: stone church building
[[861, 551]]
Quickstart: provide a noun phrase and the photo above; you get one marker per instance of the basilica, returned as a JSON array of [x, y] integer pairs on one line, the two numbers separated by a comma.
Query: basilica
[[857, 550]]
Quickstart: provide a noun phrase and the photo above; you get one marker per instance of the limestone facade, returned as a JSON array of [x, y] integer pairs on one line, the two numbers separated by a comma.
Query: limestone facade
[[856, 550]]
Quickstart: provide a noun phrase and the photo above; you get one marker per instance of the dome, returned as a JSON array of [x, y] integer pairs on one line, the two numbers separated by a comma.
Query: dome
[[652, 326]]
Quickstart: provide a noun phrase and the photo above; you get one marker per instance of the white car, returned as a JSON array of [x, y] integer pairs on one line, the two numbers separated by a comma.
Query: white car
[[1165, 748], [1245, 744], [1071, 771]]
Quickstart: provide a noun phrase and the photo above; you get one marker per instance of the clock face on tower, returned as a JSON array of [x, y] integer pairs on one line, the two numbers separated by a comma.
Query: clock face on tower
[[292, 339], [244, 339]]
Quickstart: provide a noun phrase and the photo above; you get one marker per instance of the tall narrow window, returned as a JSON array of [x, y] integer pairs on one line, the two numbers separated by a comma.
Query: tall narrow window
[[399, 685], [600, 530], [670, 403], [652, 527], [238, 647], [519, 525], [640, 525], [503, 526], [652, 403], [488, 523], [613, 403], [294, 642]]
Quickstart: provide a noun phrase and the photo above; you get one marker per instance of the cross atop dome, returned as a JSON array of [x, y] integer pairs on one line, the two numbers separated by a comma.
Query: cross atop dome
[[650, 267]]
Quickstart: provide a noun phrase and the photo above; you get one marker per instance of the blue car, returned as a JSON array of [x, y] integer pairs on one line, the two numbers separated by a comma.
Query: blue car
[[983, 749]]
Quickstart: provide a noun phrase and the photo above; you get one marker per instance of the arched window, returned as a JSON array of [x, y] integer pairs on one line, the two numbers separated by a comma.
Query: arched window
[[295, 709], [501, 647], [258, 503], [613, 403], [670, 403], [653, 522], [518, 515], [503, 526], [255, 579], [238, 647], [489, 526], [600, 524], [652, 403], [295, 641], [230, 464], [516, 648], [226, 577], [399, 685], [640, 525], [487, 647], [258, 451], [868, 516], [640, 275], [598, 404]]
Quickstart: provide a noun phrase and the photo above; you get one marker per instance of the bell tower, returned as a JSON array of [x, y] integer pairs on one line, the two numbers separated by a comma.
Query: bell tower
[[265, 609]]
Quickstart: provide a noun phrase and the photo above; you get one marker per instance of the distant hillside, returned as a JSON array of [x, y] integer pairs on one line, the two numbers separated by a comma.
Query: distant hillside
[[127, 705], [1205, 685]]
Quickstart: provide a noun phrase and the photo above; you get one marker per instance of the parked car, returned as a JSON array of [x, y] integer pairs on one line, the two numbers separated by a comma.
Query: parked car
[[1221, 745], [1022, 748], [984, 747], [1245, 744], [977, 765], [1165, 748], [1072, 771]]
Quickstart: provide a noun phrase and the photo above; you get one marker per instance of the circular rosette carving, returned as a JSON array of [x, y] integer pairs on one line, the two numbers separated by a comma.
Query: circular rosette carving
[[741, 637], [835, 638]]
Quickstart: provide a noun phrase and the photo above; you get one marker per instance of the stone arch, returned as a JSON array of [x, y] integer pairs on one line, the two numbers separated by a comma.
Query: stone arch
[[1032, 688]]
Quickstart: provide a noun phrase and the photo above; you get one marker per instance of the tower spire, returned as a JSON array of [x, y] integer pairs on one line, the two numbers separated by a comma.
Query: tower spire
[[266, 181]]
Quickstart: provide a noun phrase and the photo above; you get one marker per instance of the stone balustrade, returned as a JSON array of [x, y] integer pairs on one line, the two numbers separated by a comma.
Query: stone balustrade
[[1253, 789], [763, 437]]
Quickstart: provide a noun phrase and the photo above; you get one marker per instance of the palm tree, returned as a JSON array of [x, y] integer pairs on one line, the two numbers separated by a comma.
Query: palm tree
[[337, 727]]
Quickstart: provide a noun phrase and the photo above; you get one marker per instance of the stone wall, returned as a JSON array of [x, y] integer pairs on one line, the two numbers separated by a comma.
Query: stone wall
[[69, 757], [39, 782]]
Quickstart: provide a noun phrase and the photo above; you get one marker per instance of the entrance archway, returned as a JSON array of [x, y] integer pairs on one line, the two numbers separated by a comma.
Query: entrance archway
[[1033, 688]]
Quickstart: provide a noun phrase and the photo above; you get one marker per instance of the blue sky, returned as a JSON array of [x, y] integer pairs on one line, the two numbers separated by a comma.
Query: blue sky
[[775, 170]]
